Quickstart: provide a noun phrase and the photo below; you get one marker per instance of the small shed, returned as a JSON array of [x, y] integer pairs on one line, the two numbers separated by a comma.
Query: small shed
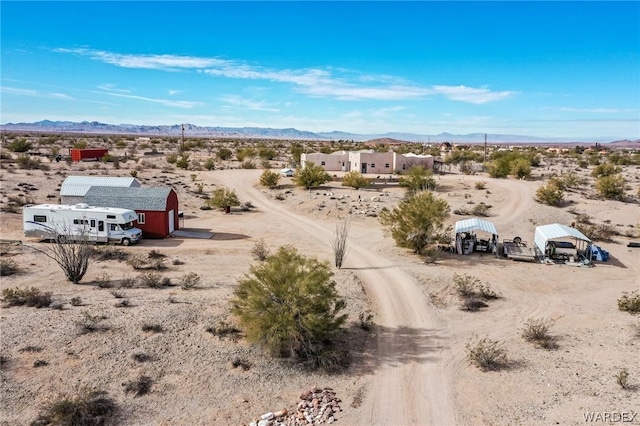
[[74, 188], [467, 241], [157, 207], [560, 240], [87, 154]]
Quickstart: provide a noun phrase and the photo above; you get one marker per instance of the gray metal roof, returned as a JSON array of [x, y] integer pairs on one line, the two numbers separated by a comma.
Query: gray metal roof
[[545, 233], [79, 185], [472, 224], [135, 198]]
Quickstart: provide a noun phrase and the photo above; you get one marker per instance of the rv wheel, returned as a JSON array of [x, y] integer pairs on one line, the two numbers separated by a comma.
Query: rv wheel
[[126, 241], [517, 240]]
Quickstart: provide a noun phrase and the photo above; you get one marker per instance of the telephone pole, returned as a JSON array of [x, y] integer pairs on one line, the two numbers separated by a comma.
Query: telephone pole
[[182, 144], [485, 147]]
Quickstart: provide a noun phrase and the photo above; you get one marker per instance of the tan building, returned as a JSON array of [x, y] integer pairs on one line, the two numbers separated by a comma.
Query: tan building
[[368, 161]]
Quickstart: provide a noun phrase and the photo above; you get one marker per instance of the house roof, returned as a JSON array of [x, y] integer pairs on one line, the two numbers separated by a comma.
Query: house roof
[[545, 233], [134, 198], [79, 185], [473, 224]]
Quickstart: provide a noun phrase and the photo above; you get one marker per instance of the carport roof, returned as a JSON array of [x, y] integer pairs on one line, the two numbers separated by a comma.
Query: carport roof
[[545, 233], [472, 224]]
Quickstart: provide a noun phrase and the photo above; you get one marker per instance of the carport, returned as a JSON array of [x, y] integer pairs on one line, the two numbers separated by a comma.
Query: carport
[[560, 241], [467, 240]]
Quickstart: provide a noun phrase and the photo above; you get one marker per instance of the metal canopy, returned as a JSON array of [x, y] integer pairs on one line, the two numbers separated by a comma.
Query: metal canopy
[[545, 233], [473, 224]]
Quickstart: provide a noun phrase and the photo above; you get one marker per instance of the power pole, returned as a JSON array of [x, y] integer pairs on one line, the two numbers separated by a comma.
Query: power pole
[[182, 144], [485, 147]]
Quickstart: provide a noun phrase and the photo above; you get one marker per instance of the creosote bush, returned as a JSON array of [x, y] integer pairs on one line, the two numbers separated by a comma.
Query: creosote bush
[[260, 250], [140, 386], [189, 281], [224, 329], [88, 408], [622, 379], [8, 267], [154, 280], [536, 331], [31, 297], [486, 354]]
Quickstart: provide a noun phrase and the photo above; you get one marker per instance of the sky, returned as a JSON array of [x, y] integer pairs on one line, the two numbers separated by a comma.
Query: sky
[[546, 69]]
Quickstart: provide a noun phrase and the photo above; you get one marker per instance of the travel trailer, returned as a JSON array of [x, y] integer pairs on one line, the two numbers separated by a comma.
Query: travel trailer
[[97, 224]]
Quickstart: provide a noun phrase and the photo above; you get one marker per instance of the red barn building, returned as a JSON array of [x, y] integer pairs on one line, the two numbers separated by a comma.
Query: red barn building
[[157, 208], [87, 154]]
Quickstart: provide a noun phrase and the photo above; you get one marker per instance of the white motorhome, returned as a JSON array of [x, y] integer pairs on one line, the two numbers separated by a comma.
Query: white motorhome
[[98, 224]]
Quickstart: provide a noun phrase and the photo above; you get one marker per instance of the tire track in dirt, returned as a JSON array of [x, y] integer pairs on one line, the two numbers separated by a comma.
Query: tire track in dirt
[[411, 383]]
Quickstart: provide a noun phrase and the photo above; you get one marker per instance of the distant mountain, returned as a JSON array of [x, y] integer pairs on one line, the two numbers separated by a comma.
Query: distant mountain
[[191, 130]]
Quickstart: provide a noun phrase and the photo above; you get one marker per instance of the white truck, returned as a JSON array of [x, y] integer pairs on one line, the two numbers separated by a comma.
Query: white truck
[[97, 224]]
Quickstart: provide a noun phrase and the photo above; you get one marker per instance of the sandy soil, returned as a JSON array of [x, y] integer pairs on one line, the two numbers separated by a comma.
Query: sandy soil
[[410, 369]]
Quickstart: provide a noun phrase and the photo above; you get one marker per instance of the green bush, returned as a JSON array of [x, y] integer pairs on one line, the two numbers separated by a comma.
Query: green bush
[[223, 197], [551, 194], [417, 179], [19, 145], [486, 354], [311, 176], [88, 408], [31, 297], [536, 331], [611, 187], [354, 179], [289, 304], [269, 179], [8, 267], [224, 153], [630, 303]]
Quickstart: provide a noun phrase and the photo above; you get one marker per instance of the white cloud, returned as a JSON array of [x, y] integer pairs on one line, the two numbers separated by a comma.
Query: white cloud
[[237, 101], [598, 110], [329, 82], [112, 88], [167, 102], [16, 91]]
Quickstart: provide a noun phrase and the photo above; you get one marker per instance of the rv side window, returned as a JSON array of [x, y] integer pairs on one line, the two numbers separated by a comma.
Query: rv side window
[[141, 218], [100, 226], [111, 216], [39, 218], [93, 223], [80, 222]]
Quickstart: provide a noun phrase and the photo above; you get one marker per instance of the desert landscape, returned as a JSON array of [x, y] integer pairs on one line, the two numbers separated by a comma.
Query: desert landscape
[[409, 359]]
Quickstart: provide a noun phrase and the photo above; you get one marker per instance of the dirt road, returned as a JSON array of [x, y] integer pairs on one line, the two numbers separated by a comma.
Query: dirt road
[[411, 383]]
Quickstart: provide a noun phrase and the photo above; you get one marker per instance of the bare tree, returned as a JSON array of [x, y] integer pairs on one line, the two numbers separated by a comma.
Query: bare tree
[[339, 241], [70, 251]]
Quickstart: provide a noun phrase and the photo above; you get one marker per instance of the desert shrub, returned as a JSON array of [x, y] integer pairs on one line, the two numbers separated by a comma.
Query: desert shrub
[[8, 267], [183, 161], [472, 304], [88, 323], [521, 168], [599, 232], [481, 210], [140, 386], [606, 169], [189, 281], [72, 256], [127, 282], [40, 363], [622, 379], [280, 196], [486, 354], [551, 194], [76, 301], [267, 153], [25, 161], [311, 176], [110, 253], [417, 222], [31, 297], [630, 303], [611, 187], [104, 280], [242, 363], [465, 285], [20, 145], [289, 304], [480, 184], [269, 179], [486, 292], [224, 153], [209, 164], [536, 331], [156, 328], [156, 254], [366, 320], [339, 242], [133, 173], [140, 357], [118, 294], [172, 158], [248, 164], [123, 303], [417, 179], [88, 408], [223, 197], [224, 329], [154, 280], [355, 180], [260, 250], [30, 348]]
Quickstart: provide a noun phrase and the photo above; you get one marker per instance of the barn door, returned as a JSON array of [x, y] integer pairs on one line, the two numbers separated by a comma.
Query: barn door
[[172, 225]]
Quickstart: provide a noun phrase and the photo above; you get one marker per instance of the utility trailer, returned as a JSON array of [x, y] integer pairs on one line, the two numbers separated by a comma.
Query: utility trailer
[[517, 249], [73, 222]]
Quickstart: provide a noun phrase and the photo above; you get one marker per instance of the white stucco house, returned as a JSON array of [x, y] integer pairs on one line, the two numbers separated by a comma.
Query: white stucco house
[[368, 161]]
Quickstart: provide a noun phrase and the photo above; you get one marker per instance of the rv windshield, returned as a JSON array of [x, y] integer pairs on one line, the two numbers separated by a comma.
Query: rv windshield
[[126, 226]]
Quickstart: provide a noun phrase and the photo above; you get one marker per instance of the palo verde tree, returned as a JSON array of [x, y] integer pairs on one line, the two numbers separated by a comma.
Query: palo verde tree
[[355, 180], [289, 305], [417, 222], [417, 179], [223, 197], [269, 179], [311, 176]]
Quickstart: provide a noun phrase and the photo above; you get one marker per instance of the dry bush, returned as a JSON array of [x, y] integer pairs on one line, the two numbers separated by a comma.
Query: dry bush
[[536, 331], [104, 280], [127, 282], [630, 303], [366, 320], [154, 280], [481, 210], [140, 386], [31, 349], [472, 304], [110, 253], [480, 184], [242, 363], [31, 297], [189, 281], [156, 254], [40, 363], [8, 267], [76, 301], [602, 232], [140, 357], [123, 303], [339, 241], [88, 408], [486, 354], [156, 328], [260, 250], [224, 329], [622, 379], [118, 294], [465, 284], [90, 323]]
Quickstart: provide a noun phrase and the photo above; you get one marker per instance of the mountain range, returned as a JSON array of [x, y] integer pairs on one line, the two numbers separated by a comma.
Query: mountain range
[[191, 130]]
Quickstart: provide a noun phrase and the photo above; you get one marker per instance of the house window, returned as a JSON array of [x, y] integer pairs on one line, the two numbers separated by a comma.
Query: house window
[[386, 165], [39, 218], [373, 165], [322, 163], [141, 218]]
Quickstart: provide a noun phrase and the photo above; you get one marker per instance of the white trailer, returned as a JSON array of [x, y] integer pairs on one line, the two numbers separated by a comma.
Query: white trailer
[[97, 224]]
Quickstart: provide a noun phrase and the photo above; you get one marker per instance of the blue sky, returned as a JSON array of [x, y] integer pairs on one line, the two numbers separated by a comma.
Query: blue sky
[[548, 69]]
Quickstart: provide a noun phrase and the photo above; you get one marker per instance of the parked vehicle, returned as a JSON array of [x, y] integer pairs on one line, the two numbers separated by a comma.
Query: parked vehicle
[[97, 224]]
